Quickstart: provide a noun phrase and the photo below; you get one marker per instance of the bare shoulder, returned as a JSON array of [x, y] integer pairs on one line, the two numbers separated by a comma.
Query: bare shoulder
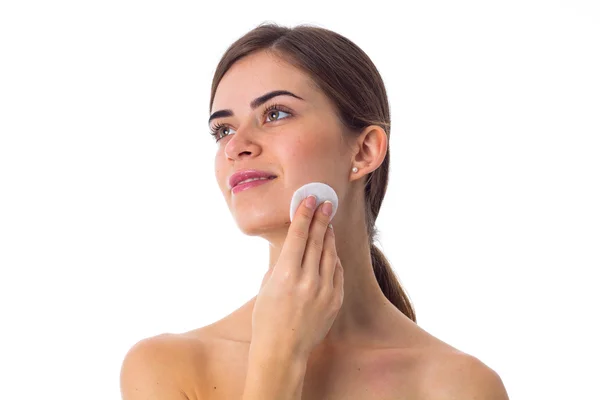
[[167, 367], [457, 375]]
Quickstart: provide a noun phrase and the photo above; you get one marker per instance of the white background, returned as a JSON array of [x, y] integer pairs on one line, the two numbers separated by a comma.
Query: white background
[[113, 228]]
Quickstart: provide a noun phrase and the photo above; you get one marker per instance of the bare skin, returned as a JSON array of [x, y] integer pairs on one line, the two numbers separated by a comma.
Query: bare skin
[[393, 364], [372, 350], [303, 146]]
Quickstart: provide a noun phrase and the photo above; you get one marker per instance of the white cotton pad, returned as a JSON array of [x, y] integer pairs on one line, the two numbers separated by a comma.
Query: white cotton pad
[[321, 190]]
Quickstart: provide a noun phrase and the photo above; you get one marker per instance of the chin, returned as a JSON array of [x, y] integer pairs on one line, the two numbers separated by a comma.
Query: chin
[[260, 223]]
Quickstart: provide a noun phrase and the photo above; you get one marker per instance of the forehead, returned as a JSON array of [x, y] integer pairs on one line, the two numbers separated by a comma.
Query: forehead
[[256, 74]]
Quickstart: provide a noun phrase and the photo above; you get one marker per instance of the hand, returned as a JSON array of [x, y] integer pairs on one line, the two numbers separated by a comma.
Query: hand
[[301, 295]]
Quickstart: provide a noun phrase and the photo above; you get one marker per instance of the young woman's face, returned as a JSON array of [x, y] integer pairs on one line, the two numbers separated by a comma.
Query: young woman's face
[[299, 140]]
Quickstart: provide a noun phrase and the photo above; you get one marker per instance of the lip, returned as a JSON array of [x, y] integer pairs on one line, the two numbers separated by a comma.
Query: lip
[[249, 185], [248, 174]]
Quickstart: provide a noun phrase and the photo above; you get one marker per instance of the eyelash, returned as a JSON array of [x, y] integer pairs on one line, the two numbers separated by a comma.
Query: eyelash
[[214, 130]]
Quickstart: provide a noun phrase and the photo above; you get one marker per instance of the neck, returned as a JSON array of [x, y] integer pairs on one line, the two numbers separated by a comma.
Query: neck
[[365, 313]]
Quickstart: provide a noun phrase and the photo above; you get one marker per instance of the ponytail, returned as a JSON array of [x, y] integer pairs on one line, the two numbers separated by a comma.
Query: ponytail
[[389, 284]]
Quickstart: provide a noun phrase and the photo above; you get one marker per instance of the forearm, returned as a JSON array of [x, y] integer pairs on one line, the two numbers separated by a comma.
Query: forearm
[[274, 376]]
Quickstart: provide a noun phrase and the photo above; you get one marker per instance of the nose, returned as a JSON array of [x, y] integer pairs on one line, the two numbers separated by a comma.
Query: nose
[[242, 144]]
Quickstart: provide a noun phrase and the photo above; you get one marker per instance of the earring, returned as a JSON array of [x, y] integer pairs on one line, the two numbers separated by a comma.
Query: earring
[[355, 170]]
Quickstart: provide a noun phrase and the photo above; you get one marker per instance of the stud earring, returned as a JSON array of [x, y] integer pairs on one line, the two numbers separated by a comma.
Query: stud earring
[[355, 170]]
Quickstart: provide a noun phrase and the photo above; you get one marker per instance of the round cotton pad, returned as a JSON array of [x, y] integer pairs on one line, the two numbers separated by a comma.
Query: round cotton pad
[[321, 190]]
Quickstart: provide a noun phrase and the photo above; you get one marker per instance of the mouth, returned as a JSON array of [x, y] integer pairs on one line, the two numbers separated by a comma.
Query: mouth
[[251, 183]]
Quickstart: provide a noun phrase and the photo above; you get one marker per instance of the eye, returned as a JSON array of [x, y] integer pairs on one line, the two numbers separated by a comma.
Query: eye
[[215, 131], [273, 112]]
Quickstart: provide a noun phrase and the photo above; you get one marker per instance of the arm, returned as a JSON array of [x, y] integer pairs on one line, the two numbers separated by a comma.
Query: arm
[[147, 372], [274, 375]]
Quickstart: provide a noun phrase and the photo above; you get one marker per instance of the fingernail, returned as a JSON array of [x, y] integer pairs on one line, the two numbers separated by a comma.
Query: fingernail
[[311, 202], [327, 208]]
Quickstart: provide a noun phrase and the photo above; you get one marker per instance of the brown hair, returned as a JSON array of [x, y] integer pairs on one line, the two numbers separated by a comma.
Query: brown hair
[[350, 79]]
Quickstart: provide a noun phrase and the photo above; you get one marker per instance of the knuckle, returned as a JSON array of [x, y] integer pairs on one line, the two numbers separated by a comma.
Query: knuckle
[[322, 221], [331, 253], [308, 287], [299, 233], [334, 302], [286, 276], [305, 213], [338, 301], [315, 243]]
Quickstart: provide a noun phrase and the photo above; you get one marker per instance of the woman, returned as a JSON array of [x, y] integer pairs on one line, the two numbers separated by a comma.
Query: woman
[[331, 320]]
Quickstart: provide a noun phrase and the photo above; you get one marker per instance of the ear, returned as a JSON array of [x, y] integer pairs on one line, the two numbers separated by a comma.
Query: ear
[[371, 148]]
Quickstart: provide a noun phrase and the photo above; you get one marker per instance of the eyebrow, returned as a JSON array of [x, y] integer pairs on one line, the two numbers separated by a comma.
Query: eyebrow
[[255, 103]]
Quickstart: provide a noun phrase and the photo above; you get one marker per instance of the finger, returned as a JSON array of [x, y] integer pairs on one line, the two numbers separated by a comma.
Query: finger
[[329, 257], [315, 243], [338, 279], [295, 242]]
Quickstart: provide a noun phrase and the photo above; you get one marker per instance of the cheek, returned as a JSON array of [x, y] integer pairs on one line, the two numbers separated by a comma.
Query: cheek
[[221, 172], [300, 153], [322, 150], [311, 155]]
